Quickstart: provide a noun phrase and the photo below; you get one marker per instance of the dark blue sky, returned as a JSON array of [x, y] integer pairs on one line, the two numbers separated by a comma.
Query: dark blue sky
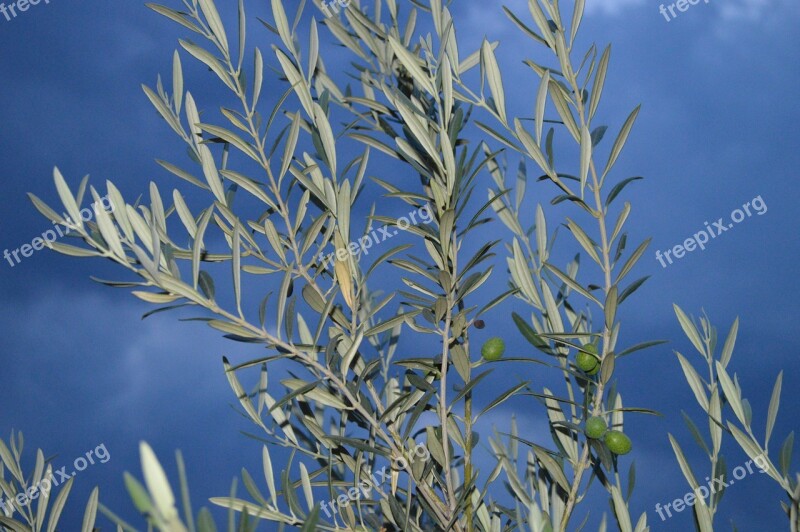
[[718, 88]]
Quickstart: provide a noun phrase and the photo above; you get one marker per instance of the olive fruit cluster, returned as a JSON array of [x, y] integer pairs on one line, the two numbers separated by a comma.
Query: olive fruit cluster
[[616, 441]]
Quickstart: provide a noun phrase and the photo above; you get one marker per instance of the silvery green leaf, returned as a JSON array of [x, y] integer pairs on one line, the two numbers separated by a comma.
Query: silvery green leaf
[[45, 210], [696, 383], [412, 65], [521, 275], [177, 81], [732, 394], [282, 24], [197, 245], [630, 289], [621, 510], [541, 103], [696, 433], [232, 138], [211, 173], [106, 227], [684, 464], [610, 307], [618, 188], [607, 367], [13, 525], [236, 264], [473, 59], [157, 483], [772, 413], [525, 28], [253, 510], [118, 208], [553, 315], [326, 135], [785, 456], [290, 145], [557, 93], [90, 515], [493, 76], [44, 497], [343, 209], [755, 452], [297, 81], [633, 259], [175, 16], [703, 515], [690, 330], [391, 322], [250, 186], [584, 240], [552, 466], [269, 476], [619, 143], [139, 496], [532, 149], [566, 436], [163, 109], [58, 504], [573, 284], [715, 420], [623, 216], [184, 213], [73, 251], [586, 156], [214, 22], [67, 199], [182, 174], [205, 57], [577, 16], [503, 397], [306, 482], [599, 81], [313, 48], [730, 342], [542, 22], [244, 399], [258, 78]]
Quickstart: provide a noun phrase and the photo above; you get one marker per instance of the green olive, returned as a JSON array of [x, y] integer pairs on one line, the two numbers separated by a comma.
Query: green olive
[[493, 349], [587, 359], [596, 427], [617, 442]]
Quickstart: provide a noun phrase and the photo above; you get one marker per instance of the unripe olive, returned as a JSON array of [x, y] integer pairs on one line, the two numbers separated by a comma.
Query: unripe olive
[[588, 361], [493, 349], [617, 442], [596, 427]]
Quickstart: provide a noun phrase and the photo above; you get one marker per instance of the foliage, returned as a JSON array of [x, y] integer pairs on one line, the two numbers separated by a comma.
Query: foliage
[[714, 394], [366, 386], [19, 490]]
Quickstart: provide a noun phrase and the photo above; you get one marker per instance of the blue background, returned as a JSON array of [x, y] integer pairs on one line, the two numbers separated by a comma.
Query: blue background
[[718, 88]]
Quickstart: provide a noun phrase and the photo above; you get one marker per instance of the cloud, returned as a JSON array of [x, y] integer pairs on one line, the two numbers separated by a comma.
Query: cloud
[[610, 7], [751, 10]]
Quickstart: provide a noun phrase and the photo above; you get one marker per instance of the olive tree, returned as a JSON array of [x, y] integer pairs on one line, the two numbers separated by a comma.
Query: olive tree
[[281, 187]]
